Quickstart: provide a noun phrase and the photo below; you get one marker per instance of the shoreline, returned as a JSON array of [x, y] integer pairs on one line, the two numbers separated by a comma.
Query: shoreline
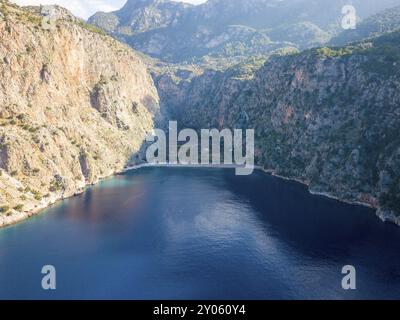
[[384, 216], [20, 217]]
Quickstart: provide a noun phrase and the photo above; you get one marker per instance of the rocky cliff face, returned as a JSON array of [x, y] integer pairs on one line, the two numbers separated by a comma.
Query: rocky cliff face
[[327, 117], [75, 106]]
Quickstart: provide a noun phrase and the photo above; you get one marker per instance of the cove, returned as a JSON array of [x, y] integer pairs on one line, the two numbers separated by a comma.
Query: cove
[[200, 233]]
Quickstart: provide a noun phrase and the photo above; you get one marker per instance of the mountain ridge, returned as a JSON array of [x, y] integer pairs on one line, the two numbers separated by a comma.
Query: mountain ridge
[[179, 33]]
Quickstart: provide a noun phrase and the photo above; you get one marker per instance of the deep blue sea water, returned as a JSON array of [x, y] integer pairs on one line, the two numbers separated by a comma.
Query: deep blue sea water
[[179, 233]]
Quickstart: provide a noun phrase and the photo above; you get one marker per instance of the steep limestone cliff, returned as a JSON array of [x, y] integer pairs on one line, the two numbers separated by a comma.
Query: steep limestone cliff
[[75, 106], [329, 117]]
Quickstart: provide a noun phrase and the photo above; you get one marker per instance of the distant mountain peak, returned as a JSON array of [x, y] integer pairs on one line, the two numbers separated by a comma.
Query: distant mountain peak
[[132, 4], [137, 4]]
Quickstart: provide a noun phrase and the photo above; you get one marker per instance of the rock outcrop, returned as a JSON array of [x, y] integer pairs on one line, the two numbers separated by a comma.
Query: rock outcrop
[[75, 106]]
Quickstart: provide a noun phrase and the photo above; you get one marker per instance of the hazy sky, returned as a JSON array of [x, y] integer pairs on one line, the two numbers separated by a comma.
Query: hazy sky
[[85, 8]]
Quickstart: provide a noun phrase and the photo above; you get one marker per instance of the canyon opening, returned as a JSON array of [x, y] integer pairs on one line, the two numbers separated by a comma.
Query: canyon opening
[[187, 148]]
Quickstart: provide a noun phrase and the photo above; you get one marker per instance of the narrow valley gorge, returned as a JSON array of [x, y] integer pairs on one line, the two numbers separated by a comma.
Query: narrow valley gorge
[[76, 104]]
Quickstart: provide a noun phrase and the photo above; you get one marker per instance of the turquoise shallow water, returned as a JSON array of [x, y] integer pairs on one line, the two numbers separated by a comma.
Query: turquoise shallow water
[[180, 233]]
